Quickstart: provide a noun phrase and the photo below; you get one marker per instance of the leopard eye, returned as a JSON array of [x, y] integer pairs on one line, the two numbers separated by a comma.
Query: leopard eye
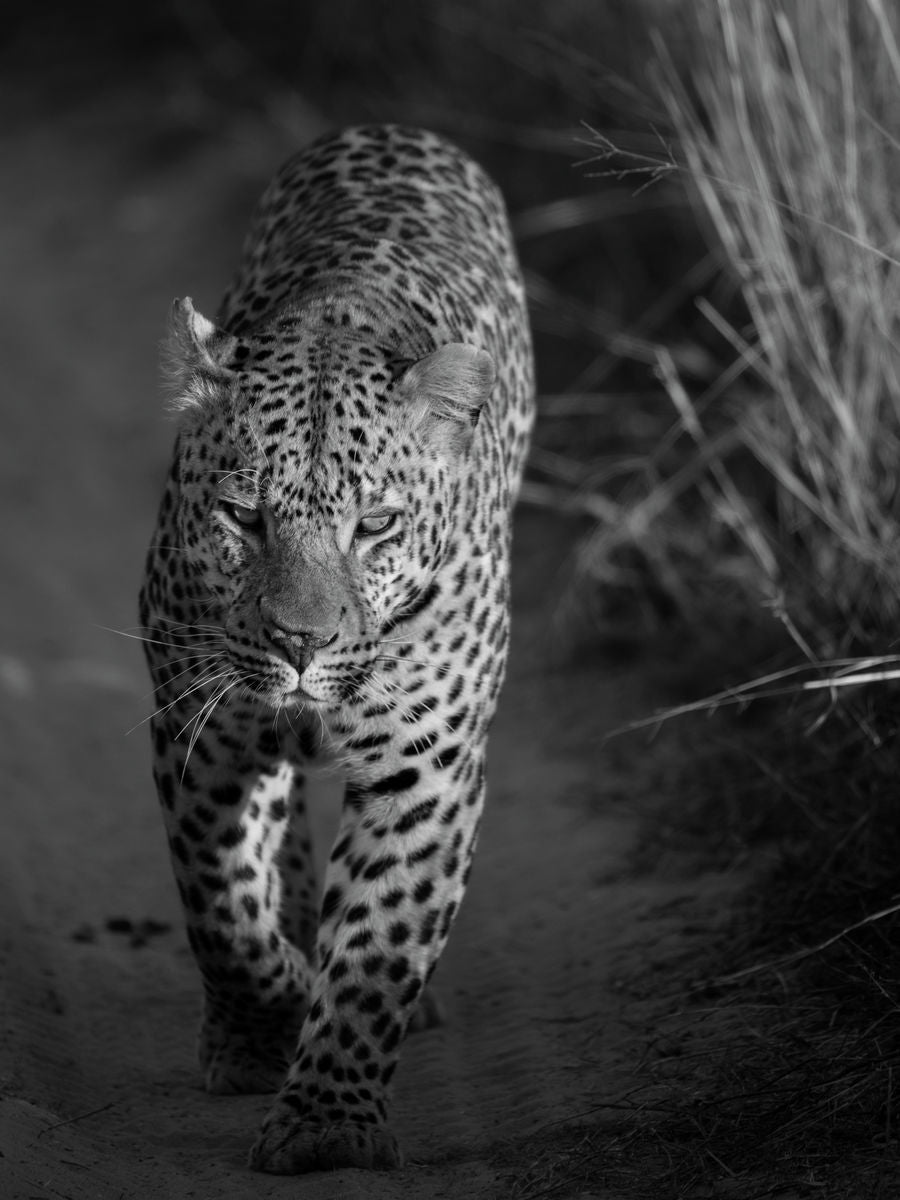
[[244, 515], [376, 523]]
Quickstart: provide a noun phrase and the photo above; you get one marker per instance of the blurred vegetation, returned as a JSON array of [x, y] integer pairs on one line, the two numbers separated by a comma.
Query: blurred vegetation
[[787, 127]]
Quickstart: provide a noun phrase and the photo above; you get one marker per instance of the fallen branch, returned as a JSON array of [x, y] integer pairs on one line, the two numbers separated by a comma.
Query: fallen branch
[[775, 964], [81, 1117]]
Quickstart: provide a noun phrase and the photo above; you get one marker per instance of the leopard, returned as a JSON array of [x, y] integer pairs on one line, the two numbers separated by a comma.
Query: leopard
[[328, 583]]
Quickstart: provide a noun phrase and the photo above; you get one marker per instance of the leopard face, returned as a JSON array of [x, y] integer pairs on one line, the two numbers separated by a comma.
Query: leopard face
[[316, 510]]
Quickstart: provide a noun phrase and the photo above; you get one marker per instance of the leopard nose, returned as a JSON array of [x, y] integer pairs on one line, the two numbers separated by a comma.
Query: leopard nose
[[298, 645]]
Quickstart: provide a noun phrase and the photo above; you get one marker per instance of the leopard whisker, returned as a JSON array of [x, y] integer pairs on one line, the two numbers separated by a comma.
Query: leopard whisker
[[260, 447], [206, 679], [207, 639], [191, 625], [203, 716], [199, 657], [380, 688], [246, 473], [287, 716], [196, 661]]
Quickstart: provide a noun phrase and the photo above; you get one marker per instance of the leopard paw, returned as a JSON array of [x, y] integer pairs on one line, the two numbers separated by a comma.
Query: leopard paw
[[231, 1073], [289, 1144], [236, 1062]]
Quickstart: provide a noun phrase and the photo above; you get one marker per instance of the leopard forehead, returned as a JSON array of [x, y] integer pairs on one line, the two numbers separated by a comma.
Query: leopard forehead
[[312, 420]]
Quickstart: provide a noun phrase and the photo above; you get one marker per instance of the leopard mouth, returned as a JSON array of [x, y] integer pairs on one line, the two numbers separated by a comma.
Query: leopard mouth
[[273, 679], [276, 693], [289, 679], [292, 687], [289, 684]]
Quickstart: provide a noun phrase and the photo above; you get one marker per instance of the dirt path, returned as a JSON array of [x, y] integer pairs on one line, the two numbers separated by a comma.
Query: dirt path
[[108, 212]]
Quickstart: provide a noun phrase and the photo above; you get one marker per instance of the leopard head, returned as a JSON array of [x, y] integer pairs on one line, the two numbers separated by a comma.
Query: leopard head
[[321, 477]]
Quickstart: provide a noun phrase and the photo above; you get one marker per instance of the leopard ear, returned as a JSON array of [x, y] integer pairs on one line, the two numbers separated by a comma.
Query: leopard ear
[[447, 390], [195, 357]]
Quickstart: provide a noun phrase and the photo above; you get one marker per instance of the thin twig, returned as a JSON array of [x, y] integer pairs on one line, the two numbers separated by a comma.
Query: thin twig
[[81, 1117], [775, 964]]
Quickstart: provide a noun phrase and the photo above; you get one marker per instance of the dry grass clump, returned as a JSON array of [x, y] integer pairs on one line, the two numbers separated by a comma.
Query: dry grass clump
[[774, 1070], [770, 1055], [757, 1098], [787, 127], [766, 1054]]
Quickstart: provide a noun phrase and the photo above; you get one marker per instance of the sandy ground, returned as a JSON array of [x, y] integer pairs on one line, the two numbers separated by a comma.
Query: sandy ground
[[108, 211]]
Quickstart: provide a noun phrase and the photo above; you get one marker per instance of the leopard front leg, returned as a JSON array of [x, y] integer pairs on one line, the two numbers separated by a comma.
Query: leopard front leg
[[395, 881], [234, 817]]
